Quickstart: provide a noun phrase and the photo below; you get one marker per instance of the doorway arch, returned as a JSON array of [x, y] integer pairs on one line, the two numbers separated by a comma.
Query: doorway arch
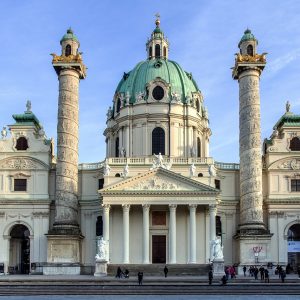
[[293, 238], [19, 249]]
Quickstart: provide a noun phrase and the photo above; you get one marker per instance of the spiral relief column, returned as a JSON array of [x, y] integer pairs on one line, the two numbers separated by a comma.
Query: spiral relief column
[[247, 70], [64, 238]]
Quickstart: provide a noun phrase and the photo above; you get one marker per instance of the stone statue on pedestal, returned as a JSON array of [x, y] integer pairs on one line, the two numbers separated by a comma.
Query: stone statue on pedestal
[[102, 250], [217, 249]]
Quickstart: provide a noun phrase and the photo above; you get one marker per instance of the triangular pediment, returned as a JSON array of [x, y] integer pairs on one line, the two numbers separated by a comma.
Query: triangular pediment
[[159, 180]]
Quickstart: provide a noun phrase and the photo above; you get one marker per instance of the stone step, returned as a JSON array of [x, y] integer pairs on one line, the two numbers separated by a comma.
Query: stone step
[[158, 269]]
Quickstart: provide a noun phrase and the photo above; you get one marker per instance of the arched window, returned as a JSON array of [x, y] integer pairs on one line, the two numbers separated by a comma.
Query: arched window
[[198, 147], [200, 175], [165, 52], [118, 175], [117, 152], [197, 105], [218, 226], [250, 50], [158, 141], [157, 50], [150, 52], [295, 144], [22, 143], [294, 233], [68, 50], [118, 105], [99, 226]]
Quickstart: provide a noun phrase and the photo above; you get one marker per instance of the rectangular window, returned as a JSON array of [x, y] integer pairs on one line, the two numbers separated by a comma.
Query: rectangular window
[[217, 184], [159, 218], [100, 183], [295, 185], [20, 185]]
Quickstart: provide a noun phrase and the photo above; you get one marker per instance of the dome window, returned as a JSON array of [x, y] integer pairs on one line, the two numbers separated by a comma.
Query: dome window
[[198, 147], [118, 105], [158, 141], [165, 52], [22, 143], [117, 150], [68, 50], [158, 93], [157, 50], [295, 144], [250, 50], [197, 105]]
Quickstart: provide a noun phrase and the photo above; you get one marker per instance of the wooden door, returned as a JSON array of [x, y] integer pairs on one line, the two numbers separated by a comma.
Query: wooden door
[[158, 249]]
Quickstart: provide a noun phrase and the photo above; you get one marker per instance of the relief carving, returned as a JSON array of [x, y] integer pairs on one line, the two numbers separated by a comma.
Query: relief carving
[[18, 164], [155, 183]]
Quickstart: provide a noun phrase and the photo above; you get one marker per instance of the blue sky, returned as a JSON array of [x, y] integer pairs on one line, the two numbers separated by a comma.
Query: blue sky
[[203, 39]]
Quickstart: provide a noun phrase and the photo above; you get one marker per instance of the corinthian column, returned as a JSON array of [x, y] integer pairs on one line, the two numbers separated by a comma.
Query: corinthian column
[[192, 208], [172, 234], [126, 208], [146, 208]]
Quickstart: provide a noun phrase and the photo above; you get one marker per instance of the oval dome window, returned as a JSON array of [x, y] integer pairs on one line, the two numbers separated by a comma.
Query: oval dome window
[[158, 93]]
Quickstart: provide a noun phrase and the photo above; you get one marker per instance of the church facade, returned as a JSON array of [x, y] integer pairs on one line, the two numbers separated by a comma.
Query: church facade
[[157, 197]]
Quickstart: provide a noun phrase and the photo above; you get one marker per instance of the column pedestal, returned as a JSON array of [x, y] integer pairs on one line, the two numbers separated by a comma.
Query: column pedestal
[[100, 268]]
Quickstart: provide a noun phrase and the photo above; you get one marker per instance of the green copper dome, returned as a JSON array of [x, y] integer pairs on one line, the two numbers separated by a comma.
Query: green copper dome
[[248, 36], [69, 36], [144, 72]]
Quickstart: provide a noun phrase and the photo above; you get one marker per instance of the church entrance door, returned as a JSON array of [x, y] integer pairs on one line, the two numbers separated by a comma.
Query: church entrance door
[[19, 252], [159, 249], [294, 247]]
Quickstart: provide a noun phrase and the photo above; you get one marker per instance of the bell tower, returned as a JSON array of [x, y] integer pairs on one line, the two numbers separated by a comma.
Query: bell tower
[[65, 237], [247, 70]]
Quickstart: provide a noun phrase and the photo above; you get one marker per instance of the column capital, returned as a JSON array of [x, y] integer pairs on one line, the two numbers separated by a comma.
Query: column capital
[[146, 206], [172, 207], [106, 207], [212, 208], [193, 206], [126, 207]]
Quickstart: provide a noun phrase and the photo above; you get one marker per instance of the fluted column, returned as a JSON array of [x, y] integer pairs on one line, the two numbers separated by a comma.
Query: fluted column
[[192, 209], [172, 234], [126, 208], [146, 208]]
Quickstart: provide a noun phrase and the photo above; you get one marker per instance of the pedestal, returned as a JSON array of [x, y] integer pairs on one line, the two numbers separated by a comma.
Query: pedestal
[[218, 267], [100, 268], [63, 255]]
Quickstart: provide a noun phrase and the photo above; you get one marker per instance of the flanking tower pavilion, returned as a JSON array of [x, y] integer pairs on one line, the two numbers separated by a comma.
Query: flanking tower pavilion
[[252, 232], [65, 237]]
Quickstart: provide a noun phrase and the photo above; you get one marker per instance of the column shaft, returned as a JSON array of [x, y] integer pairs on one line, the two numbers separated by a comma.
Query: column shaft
[[212, 218], [192, 233], [146, 208], [172, 234], [126, 209]]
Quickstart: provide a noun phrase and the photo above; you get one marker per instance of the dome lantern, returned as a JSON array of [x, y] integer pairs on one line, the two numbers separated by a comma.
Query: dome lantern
[[248, 43], [157, 46]]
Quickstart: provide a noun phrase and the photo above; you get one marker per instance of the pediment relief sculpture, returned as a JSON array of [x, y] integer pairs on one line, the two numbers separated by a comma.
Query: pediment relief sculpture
[[287, 164], [21, 164]]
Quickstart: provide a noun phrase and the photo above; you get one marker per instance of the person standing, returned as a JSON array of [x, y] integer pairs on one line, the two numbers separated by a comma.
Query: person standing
[[244, 270], [267, 278], [166, 270], [210, 277], [140, 278]]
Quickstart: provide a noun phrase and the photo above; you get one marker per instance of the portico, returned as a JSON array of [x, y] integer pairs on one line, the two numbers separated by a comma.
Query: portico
[[158, 217]]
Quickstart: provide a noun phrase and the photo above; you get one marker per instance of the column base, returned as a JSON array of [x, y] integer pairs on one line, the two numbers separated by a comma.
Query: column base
[[63, 254], [100, 268], [254, 248]]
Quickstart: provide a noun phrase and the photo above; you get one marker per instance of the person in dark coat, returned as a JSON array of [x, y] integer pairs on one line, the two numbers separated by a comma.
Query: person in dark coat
[[244, 270], [267, 278], [210, 276], [255, 273], [140, 278], [126, 273], [166, 270], [298, 271], [282, 275], [262, 272], [224, 280], [119, 273]]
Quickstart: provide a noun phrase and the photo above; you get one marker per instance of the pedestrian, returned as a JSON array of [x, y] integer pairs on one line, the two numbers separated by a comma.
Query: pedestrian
[[210, 277], [262, 272], [282, 275], [119, 273], [267, 278], [224, 280], [298, 271], [126, 273], [244, 270], [166, 270], [140, 278], [255, 273]]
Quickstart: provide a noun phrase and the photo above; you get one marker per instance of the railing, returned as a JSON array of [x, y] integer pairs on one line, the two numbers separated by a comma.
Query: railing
[[148, 160], [227, 166]]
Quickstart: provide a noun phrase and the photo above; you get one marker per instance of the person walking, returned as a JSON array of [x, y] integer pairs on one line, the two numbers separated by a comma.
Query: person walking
[[166, 270], [244, 270], [210, 277], [282, 275], [140, 278], [267, 278]]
